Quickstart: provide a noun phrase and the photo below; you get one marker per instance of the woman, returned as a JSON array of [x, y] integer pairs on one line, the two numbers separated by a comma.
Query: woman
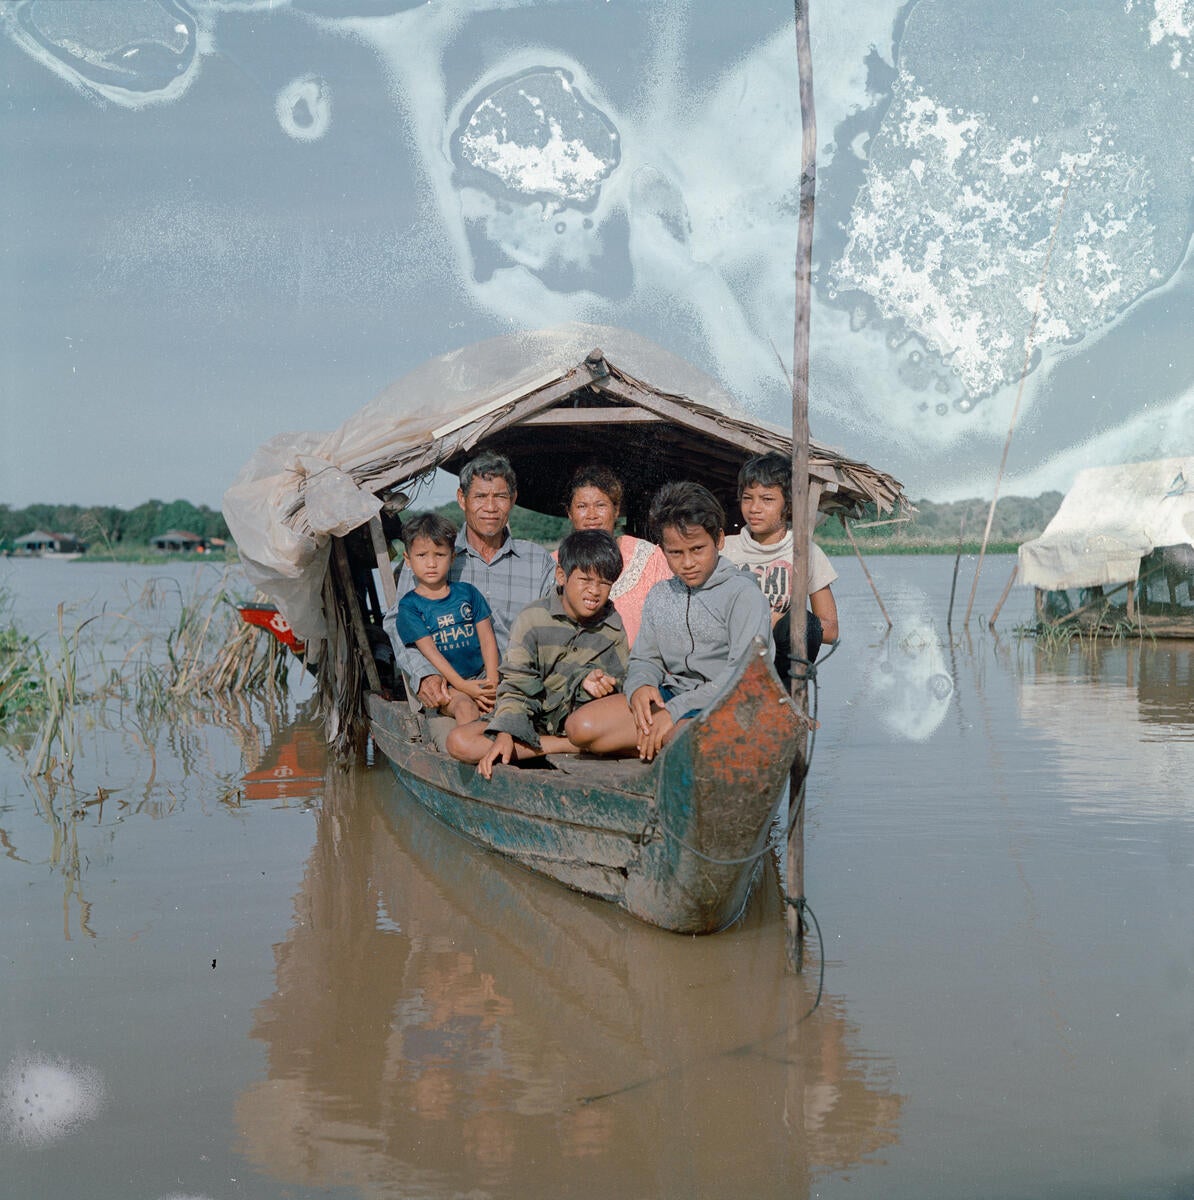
[[595, 502]]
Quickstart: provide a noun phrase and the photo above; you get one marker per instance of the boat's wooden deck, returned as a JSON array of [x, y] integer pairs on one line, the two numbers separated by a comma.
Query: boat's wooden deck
[[625, 774], [622, 774]]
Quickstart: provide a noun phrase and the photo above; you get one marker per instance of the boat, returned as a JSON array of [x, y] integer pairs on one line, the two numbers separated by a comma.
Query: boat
[[677, 843]]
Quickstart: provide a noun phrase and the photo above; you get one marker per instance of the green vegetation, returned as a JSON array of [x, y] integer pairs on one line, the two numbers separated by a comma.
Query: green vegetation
[[934, 528], [198, 662], [121, 535], [22, 693], [111, 532]]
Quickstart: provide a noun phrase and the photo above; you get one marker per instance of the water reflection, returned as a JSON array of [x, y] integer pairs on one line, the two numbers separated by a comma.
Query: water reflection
[[443, 1021], [909, 682], [1122, 721]]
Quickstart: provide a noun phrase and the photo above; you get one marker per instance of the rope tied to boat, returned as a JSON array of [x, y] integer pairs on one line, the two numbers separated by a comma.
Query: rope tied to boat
[[655, 822], [796, 803], [801, 905]]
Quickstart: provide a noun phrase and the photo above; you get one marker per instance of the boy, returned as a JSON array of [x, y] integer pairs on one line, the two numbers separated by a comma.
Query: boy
[[696, 628], [564, 650], [765, 547], [448, 623]]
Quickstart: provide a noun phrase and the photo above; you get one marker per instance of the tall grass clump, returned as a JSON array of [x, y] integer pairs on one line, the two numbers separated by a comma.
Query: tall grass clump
[[22, 691], [172, 657]]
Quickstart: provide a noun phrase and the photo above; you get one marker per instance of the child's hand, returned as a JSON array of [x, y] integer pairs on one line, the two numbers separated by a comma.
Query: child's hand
[[433, 692], [643, 705], [479, 690], [502, 748], [652, 740], [483, 692], [599, 683]]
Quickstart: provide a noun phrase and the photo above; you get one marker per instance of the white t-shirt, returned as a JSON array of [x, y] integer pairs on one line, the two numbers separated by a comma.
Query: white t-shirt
[[773, 566]]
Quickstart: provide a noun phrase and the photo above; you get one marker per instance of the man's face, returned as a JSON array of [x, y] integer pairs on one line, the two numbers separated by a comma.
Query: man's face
[[486, 505]]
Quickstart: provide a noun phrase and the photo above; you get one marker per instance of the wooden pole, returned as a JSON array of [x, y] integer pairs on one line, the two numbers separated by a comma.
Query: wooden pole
[[953, 587], [862, 564], [344, 575], [1007, 587], [384, 567], [794, 916]]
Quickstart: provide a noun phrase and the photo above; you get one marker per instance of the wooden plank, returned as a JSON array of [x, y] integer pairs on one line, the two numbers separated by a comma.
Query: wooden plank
[[593, 416], [384, 567], [727, 430], [344, 573]]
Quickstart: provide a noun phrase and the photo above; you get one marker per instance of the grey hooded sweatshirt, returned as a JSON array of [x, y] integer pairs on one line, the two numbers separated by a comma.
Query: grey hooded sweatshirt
[[691, 639]]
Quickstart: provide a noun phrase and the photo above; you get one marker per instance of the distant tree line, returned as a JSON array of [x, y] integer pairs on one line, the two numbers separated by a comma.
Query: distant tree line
[[98, 524], [1017, 519]]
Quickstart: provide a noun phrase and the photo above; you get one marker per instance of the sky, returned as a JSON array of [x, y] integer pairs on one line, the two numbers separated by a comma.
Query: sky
[[221, 221]]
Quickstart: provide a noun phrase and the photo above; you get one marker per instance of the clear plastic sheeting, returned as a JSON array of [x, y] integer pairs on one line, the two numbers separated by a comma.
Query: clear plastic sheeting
[[1110, 519], [300, 489]]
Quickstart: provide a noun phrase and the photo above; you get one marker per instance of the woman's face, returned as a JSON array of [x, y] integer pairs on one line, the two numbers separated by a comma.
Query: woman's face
[[591, 508]]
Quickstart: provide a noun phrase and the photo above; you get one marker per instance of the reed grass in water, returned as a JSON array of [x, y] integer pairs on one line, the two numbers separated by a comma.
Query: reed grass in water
[[202, 657]]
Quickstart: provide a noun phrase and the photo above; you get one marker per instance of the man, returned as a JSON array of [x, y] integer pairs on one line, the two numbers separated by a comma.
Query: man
[[507, 571]]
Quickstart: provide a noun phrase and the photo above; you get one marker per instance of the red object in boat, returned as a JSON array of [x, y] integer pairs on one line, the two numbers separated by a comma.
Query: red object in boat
[[266, 616]]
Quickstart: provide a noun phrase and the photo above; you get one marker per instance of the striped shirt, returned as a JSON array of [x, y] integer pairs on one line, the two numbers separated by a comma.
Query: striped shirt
[[547, 661], [517, 574]]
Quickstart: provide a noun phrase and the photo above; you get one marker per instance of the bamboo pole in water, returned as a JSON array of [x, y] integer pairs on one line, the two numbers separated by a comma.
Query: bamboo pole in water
[[1006, 592], [953, 587], [794, 917], [862, 564], [1011, 428]]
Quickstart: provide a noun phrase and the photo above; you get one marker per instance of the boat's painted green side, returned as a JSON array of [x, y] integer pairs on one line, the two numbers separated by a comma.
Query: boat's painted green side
[[676, 843]]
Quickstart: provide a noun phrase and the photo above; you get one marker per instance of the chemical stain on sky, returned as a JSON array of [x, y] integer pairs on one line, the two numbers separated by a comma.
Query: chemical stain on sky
[[262, 212]]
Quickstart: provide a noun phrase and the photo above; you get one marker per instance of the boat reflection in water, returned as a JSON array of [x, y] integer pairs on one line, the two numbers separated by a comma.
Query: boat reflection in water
[[445, 1022]]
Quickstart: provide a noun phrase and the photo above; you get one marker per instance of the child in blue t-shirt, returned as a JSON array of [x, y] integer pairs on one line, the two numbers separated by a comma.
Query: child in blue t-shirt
[[448, 623]]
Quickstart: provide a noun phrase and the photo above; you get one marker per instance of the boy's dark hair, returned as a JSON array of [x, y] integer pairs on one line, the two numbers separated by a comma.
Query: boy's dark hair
[[595, 475], [591, 550], [487, 465], [686, 506], [768, 470], [429, 525]]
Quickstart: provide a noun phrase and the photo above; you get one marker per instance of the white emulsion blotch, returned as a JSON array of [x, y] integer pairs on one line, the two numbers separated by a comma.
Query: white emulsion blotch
[[42, 1099], [304, 108]]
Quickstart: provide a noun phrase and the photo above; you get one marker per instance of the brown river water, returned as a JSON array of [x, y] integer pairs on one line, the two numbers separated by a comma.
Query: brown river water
[[232, 972]]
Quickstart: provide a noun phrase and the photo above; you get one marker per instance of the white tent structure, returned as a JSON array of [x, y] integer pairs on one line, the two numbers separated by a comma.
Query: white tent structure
[[1131, 524], [1111, 519]]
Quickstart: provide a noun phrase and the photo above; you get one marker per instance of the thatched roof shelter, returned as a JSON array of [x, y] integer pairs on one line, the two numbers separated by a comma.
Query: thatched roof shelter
[[550, 400]]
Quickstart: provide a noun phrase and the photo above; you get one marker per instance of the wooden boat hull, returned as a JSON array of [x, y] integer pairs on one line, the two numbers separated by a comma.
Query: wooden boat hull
[[677, 843]]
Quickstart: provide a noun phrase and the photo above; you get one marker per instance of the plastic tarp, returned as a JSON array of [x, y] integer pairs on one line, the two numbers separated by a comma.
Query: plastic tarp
[[300, 489], [1109, 520]]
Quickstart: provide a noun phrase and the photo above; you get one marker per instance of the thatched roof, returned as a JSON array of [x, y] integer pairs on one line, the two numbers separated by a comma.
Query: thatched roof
[[551, 400]]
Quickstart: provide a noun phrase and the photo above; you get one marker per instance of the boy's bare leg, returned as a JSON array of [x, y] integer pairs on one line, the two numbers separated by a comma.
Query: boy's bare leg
[[462, 708], [469, 743], [550, 743], [604, 726]]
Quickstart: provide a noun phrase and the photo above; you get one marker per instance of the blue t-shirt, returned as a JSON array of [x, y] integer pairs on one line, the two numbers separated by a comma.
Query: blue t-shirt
[[451, 622]]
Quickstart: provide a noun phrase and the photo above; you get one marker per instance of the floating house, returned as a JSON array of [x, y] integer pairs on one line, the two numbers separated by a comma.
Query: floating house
[[1118, 557], [40, 543], [179, 541]]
